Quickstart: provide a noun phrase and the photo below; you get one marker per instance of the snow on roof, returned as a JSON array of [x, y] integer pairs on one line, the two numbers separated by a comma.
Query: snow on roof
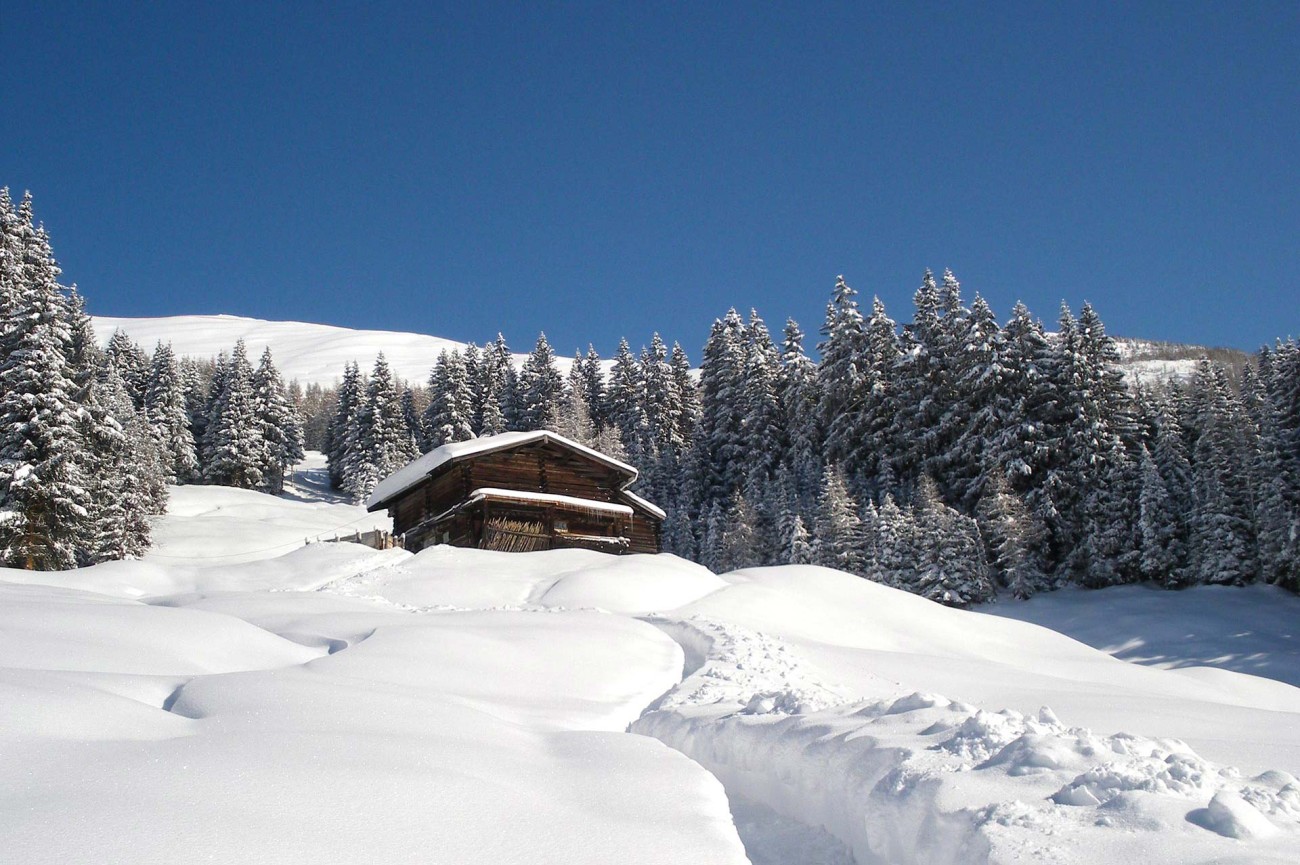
[[411, 474], [649, 506], [550, 499]]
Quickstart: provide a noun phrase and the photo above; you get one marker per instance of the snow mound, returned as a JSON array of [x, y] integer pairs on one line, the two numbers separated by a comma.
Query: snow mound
[[444, 577]]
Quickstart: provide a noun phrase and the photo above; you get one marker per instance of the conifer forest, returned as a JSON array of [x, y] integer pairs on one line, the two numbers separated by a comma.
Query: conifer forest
[[957, 456]]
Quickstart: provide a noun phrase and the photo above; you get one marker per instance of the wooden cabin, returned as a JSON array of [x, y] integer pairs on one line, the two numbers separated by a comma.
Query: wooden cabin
[[518, 492]]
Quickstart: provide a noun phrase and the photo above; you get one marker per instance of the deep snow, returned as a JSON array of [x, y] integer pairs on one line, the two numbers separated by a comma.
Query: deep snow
[[329, 703]]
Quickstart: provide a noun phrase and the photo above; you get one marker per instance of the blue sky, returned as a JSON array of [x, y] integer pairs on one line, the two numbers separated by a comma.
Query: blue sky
[[598, 170]]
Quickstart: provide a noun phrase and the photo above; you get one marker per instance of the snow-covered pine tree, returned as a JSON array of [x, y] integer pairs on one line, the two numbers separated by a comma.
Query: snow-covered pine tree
[[950, 563], [733, 534], [573, 420], [920, 389], [45, 512], [625, 402], [763, 433], [896, 556], [1023, 448], [472, 358], [339, 446], [167, 415], [450, 415], [873, 447], [686, 415], [836, 530], [278, 422], [1164, 554], [593, 388], [982, 407], [385, 443], [414, 418], [1012, 538], [798, 544], [799, 398], [499, 386], [234, 446], [128, 481], [1222, 529], [541, 387], [132, 363], [718, 460], [840, 376], [659, 398]]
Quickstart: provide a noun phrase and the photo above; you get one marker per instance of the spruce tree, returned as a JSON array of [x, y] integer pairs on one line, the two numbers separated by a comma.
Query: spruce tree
[[799, 401], [837, 527], [384, 443], [840, 376], [951, 567], [132, 364], [234, 444], [1012, 538], [167, 415], [625, 403], [44, 497], [340, 445], [450, 415], [278, 423]]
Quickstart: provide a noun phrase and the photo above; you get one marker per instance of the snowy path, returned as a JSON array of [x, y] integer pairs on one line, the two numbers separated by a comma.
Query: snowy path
[[924, 779]]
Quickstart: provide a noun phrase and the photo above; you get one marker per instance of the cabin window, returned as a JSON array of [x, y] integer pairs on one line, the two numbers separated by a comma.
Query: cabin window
[[561, 525]]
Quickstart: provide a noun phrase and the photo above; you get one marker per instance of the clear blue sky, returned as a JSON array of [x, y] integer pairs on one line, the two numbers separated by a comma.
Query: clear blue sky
[[608, 169]]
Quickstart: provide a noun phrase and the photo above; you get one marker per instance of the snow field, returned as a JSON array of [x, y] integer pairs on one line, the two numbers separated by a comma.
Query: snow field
[[334, 703]]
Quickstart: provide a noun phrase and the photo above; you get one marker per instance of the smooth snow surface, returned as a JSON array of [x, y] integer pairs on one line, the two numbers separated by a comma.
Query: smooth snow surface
[[310, 353], [333, 703]]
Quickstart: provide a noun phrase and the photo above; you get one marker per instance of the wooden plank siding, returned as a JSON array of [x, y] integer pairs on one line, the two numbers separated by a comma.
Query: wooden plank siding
[[439, 510]]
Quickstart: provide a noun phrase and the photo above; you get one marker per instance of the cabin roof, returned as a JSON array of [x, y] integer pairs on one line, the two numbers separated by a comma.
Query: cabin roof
[[649, 506], [413, 473]]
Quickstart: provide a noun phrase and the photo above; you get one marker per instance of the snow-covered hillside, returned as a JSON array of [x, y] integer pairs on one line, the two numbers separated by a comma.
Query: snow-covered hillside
[[240, 696], [310, 353], [317, 353]]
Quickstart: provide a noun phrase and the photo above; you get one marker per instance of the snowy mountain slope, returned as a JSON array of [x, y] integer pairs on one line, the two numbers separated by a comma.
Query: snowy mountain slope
[[317, 353], [333, 703], [310, 353]]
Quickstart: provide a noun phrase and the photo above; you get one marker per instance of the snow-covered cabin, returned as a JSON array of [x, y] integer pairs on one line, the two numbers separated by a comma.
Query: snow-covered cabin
[[519, 491]]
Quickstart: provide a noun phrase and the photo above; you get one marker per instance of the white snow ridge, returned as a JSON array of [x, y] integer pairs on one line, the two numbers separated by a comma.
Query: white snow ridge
[[240, 695]]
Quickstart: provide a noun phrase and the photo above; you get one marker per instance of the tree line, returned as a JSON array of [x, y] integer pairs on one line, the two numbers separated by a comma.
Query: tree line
[[955, 456]]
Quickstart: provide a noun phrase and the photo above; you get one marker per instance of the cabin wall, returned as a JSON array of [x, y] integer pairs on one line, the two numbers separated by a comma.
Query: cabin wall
[[643, 536], [541, 469], [544, 471]]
